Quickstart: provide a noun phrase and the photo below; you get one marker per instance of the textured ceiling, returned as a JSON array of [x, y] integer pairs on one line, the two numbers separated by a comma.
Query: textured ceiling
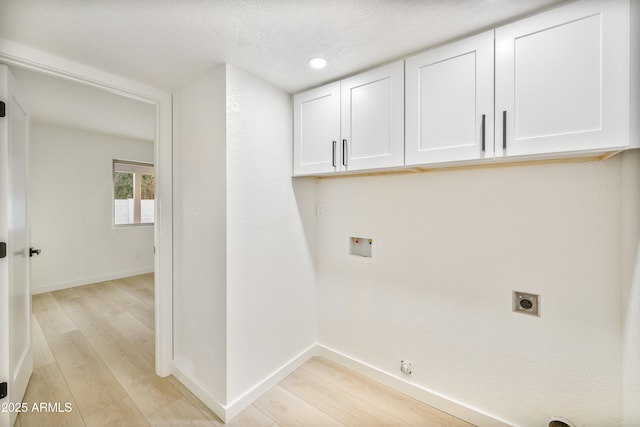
[[64, 103], [168, 43]]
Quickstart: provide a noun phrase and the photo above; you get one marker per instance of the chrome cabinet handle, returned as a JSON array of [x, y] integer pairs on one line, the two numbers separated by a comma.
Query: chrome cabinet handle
[[484, 119], [344, 152], [504, 130], [333, 154]]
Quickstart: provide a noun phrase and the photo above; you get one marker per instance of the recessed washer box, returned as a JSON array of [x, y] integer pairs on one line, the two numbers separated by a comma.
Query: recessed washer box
[[361, 247]]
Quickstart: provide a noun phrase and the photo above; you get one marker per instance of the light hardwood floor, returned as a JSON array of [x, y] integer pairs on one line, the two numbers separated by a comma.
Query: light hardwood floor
[[94, 348]]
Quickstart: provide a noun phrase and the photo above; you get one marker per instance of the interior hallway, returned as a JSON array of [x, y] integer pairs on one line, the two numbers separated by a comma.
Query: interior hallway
[[94, 349]]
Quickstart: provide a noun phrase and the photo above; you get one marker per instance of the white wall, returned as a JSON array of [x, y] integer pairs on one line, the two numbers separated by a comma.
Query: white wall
[[271, 280], [71, 204], [199, 245], [244, 283], [451, 247], [259, 279], [631, 232], [631, 287]]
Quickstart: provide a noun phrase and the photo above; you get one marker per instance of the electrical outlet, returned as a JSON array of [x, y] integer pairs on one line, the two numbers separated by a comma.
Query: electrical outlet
[[526, 303], [405, 367], [560, 422]]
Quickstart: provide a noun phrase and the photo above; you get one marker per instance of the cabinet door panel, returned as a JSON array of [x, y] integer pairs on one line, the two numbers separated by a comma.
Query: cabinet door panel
[[447, 98], [560, 77], [557, 80], [373, 118], [448, 91], [370, 120], [316, 119]]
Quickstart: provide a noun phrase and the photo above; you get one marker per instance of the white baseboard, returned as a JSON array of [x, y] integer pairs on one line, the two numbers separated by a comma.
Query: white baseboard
[[227, 412], [194, 387], [88, 281], [242, 402], [432, 398]]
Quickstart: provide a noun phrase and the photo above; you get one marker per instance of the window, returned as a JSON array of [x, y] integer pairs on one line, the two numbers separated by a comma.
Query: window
[[133, 193]]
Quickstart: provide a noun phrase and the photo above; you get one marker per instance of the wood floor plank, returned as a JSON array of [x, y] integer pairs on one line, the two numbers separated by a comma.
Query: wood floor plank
[[288, 410], [114, 291], [97, 301], [252, 417], [121, 357], [41, 352], [47, 384], [92, 384], [133, 371], [407, 409], [145, 281], [339, 404], [52, 319], [85, 318], [152, 394], [94, 346], [208, 413], [65, 294], [144, 313], [131, 286], [144, 295], [136, 333], [181, 413], [122, 413]]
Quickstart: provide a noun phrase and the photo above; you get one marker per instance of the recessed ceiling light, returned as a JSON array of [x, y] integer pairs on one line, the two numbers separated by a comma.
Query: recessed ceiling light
[[317, 62]]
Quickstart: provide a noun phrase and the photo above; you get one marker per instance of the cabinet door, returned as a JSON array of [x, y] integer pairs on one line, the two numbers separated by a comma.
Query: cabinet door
[[316, 130], [373, 119], [449, 102], [562, 80]]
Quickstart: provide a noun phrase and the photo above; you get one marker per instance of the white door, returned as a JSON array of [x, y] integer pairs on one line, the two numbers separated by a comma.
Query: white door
[[373, 118], [16, 363], [316, 130], [561, 79], [449, 102]]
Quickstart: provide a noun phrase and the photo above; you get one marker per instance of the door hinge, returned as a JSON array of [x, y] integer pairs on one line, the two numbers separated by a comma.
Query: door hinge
[[3, 390], [3, 109], [3, 249]]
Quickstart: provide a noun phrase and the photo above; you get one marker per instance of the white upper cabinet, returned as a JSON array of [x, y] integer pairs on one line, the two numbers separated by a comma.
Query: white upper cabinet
[[316, 138], [449, 102], [373, 118], [563, 80], [563, 83], [353, 124]]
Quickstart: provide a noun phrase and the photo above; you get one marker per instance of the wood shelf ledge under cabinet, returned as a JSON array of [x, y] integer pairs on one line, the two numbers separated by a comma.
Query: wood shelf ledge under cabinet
[[480, 164]]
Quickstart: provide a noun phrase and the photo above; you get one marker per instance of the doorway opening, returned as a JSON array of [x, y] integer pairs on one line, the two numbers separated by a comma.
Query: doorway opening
[[22, 58]]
